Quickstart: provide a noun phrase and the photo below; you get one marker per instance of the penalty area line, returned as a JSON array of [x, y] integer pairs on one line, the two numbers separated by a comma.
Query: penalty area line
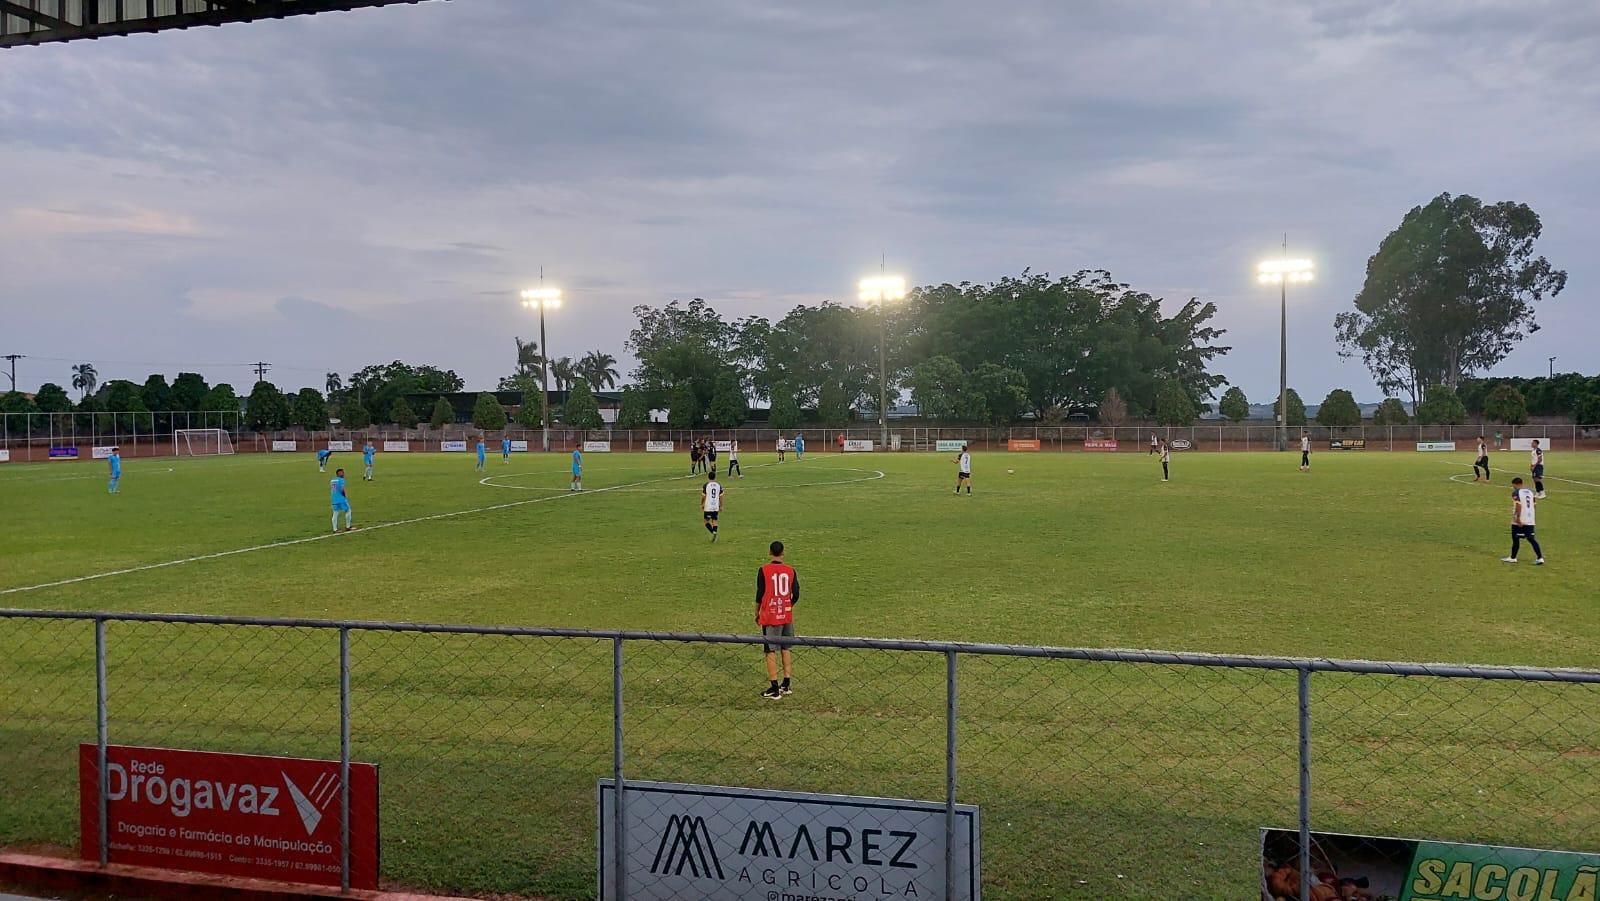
[[199, 558]]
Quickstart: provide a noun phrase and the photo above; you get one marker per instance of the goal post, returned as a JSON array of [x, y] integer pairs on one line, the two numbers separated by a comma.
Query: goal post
[[201, 442]]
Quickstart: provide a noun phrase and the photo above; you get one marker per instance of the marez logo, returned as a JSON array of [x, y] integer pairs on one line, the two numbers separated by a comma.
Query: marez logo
[[686, 844]]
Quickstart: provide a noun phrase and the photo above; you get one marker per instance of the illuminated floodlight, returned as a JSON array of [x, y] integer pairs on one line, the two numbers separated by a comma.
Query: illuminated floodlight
[[882, 288], [1273, 272], [541, 297]]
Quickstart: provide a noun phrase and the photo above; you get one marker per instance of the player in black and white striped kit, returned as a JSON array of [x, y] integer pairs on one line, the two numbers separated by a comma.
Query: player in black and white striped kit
[[1481, 461]]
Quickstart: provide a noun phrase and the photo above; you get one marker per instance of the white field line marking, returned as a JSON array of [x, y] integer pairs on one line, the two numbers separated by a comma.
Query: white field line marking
[[867, 475], [99, 477], [322, 537], [1507, 482]]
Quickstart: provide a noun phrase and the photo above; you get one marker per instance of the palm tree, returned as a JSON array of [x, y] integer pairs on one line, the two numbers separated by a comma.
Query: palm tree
[[599, 369], [334, 384], [528, 357], [84, 378], [564, 371]]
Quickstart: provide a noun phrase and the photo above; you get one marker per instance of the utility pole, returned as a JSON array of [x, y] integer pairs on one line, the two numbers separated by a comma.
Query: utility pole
[[13, 358], [261, 371], [1552, 368]]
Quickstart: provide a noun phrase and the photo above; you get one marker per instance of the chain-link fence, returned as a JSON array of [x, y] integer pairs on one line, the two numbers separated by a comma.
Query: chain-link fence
[[1096, 774]]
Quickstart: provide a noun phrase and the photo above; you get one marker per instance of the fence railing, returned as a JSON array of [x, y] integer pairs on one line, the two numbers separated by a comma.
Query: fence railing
[[1098, 773], [31, 436]]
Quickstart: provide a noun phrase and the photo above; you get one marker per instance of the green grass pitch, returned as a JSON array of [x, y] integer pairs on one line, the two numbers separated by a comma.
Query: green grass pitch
[[1095, 780]]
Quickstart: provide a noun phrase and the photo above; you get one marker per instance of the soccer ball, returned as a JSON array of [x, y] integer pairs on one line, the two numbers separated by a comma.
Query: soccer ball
[[1011, 472]]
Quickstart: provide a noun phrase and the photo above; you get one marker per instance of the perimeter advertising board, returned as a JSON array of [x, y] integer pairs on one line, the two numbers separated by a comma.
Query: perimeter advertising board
[[949, 446], [1103, 445], [1347, 444], [519, 447], [397, 447], [742, 844], [857, 446], [101, 452], [345, 446], [597, 447], [5, 456], [786, 444], [722, 446], [284, 445], [454, 446], [659, 447], [1526, 444], [1430, 446], [1022, 444], [1367, 866], [235, 814], [63, 453]]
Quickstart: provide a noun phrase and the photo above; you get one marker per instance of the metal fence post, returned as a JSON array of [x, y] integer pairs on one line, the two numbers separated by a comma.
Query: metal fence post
[[344, 760], [1304, 674], [101, 776], [618, 827], [949, 774]]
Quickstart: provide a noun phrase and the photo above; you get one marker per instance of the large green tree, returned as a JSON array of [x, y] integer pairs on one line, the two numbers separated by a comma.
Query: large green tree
[[634, 412], [833, 405], [1339, 409], [220, 399], [784, 415], [728, 409], [1449, 292], [353, 415], [188, 391], [156, 393], [1234, 407], [52, 398], [1505, 404], [443, 414], [1004, 392], [403, 415], [488, 414], [1173, 406], [1441, 406], [266, 410], [940, 389], [681, 347], [379, 386], [683, 411], [581, 409], [1391, 412], [310, 411]]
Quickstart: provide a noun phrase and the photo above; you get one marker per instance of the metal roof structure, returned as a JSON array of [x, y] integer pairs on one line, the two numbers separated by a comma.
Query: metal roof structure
[[25, 22]]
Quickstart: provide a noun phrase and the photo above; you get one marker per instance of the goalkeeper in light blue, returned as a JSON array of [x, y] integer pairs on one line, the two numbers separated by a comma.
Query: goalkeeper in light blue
[[366, 457], [341, 501]]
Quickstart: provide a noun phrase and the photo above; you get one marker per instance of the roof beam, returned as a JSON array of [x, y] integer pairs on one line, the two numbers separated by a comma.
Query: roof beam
[[40, 19]]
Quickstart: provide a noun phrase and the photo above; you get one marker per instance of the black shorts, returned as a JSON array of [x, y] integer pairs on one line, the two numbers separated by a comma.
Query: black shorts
[[784, 631], [965, 475], [712, 514], [1522, 531], [1305, 458], [1538, 471], [1481, 461]]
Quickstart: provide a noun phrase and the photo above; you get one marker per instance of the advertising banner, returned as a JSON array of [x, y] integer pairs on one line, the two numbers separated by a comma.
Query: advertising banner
[[1180, 444], [949, 446], [1022, 444], [597, 447], [5, 456], [519, 447], [1526, 444], [397, 447], [1436, 445], [722, 446], [346, 446], [857, 445], [100, 452], [1364, 866], [63, 453], [1100, 444], [234, 814], [659, 447], [733, 844], [455, 446], [284, 445], [1347, 444]]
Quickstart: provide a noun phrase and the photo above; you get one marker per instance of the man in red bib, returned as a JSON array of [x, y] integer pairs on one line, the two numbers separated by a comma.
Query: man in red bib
[[777, 591]]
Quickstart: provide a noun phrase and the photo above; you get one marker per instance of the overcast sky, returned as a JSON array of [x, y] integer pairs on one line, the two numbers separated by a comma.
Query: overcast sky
[[329, 191]]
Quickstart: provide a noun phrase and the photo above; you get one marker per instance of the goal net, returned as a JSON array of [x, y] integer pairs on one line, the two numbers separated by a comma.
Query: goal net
[[201, 442]]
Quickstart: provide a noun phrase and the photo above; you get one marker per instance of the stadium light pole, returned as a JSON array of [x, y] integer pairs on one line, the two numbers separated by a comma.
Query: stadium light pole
[[1282, 272], [879, 291], [543, 298]]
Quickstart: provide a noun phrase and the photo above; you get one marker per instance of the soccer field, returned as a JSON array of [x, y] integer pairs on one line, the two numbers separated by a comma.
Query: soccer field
[[1094, 780], [1375, 555]]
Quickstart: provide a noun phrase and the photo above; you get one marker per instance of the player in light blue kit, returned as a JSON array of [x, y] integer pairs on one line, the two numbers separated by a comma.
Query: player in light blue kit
[[322, 459], [115, 462], [577, 469], [480, 453], [799, 446], [366, 457], [505, 450], [341, 501]]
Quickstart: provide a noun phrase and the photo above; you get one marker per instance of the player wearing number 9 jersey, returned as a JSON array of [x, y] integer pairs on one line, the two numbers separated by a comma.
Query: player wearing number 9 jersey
[[711, 503], [777, 591]]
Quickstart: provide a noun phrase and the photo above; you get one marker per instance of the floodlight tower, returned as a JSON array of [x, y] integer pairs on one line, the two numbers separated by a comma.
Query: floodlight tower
[[878, 291], [1282, 272], [543, 298]]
